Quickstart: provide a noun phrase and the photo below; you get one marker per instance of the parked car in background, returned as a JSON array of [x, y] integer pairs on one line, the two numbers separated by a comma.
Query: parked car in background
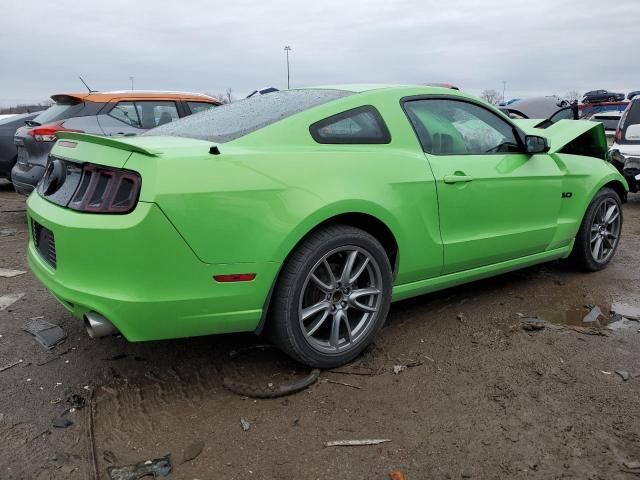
[[610, 122], [212, 225], [99, 113], [549, 109], [595, 96], [632, 95], [8, 153], [625, 152]]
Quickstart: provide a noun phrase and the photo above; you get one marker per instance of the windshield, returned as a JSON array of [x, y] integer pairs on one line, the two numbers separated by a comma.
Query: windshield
[[231, 121], [58, 111]]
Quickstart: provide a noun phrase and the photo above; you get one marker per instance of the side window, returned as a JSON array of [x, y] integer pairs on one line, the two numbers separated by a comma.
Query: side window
[[197, 107], [126, 113], [454, 127], [155, 113], [359, 125]]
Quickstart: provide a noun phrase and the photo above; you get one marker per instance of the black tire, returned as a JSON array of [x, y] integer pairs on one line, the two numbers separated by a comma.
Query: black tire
[[285, 325], [582, 255]]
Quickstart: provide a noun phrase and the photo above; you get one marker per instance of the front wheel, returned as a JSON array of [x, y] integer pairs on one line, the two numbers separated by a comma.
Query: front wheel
[[599, 233], [332, 297]]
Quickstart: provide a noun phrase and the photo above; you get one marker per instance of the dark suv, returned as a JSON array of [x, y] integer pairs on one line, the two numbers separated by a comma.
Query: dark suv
[[596, 96], [98, 113]]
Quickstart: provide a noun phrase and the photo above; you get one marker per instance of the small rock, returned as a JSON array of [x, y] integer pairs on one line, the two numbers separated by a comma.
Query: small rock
[[62, 422], [632, 465], [399, 368], [624, 374], [533, 324], [244, 424], [192, 451], [460, 317]]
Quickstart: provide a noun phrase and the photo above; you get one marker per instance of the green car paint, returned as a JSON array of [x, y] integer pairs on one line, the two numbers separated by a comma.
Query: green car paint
[[245, 209]]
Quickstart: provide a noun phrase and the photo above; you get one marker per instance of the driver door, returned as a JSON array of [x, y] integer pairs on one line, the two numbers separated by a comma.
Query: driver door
[[496, 203]]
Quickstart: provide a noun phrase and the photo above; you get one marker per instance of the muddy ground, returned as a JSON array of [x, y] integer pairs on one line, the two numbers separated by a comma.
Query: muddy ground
[[484, 398]]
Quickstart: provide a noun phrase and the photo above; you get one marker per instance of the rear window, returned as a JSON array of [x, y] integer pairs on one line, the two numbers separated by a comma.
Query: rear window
[[232, 121], [59, 111], [610, 123], [630, 117], [197, 107]]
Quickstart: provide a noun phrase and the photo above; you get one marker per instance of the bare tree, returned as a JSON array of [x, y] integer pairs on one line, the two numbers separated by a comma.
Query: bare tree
[[491, 96], [225, 97]]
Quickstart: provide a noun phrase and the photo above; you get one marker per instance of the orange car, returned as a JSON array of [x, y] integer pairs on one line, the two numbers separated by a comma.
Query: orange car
[[128, 112]]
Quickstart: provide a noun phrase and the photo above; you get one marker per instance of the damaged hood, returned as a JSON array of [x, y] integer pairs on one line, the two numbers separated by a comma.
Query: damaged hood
[[566, 134]]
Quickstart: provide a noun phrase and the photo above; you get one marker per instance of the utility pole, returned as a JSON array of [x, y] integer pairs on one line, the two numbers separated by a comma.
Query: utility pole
[[504, 89], [287, 49], [131, 78]]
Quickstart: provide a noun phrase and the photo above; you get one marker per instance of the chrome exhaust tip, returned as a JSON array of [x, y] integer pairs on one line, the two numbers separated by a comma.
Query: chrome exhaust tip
[[98, 326]]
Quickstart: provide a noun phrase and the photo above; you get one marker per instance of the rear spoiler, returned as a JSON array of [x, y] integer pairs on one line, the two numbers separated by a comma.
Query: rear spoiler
[[563, 132], [120, 143]]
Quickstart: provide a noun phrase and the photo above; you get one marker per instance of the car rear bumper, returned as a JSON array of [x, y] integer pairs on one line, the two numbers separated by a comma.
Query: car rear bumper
[[24, 181], [136, 271]]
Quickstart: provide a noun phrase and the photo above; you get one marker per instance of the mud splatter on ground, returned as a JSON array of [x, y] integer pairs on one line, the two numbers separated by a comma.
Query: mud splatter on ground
[[483, 399]]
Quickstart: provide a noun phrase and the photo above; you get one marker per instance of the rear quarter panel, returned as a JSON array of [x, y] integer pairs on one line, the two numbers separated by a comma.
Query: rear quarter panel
[[264, 192]]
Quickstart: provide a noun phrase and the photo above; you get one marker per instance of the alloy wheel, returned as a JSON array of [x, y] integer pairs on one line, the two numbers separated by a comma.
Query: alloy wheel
[[341, 299], [605, 230]]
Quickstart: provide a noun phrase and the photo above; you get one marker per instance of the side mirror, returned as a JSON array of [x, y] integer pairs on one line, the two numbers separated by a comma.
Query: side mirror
[[535, 144]]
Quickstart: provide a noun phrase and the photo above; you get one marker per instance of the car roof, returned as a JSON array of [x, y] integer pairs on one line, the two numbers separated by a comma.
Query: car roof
[[370, 87], [135, 94]]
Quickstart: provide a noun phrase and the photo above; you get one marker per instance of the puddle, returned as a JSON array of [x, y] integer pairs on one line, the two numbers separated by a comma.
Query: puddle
[[616, 317]]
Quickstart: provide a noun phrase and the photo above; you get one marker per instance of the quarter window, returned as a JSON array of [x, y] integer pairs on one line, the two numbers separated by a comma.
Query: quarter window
[[126, 113], [454, 127], [153, 113], [359, 125], [145, 114]]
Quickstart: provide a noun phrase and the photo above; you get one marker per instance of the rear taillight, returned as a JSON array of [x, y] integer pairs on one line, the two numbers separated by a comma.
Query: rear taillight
[[618, 134], [47, 132], [106, 190]]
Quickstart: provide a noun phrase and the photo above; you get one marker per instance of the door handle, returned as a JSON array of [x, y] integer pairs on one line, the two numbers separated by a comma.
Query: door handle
[[457, 178]]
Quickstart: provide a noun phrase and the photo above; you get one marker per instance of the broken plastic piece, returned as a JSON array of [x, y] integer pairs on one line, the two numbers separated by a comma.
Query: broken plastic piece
[[8, 300], [48, 334], [159, 467], [8, 273]]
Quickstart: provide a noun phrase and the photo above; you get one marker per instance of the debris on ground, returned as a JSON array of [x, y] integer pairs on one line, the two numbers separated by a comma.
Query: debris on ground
[[244, 424], [76, 401], [335, 382], [623, 374], [270, 390], [7, 232], [631, 465], [62, 422], [109, 456], [7, 300], [399, 368], [10, 365], [397, 475], [593, 315], [9, 273], [192, 451], [356, 443], [606, 373], [48, 334], [533, 324], [159, 467], [588, 330], [628, 311]]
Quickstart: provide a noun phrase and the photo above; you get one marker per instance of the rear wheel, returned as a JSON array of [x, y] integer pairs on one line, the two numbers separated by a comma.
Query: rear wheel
[[599, 233], [332, 297]]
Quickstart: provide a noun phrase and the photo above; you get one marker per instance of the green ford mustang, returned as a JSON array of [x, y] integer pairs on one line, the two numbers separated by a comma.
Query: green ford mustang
[[304, 213]]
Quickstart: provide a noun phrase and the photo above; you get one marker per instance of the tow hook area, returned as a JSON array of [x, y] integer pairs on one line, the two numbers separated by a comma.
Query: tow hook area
[[98, 326]]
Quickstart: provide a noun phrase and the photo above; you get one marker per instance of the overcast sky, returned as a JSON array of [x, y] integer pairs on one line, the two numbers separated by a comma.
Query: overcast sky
[[536, 46]]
